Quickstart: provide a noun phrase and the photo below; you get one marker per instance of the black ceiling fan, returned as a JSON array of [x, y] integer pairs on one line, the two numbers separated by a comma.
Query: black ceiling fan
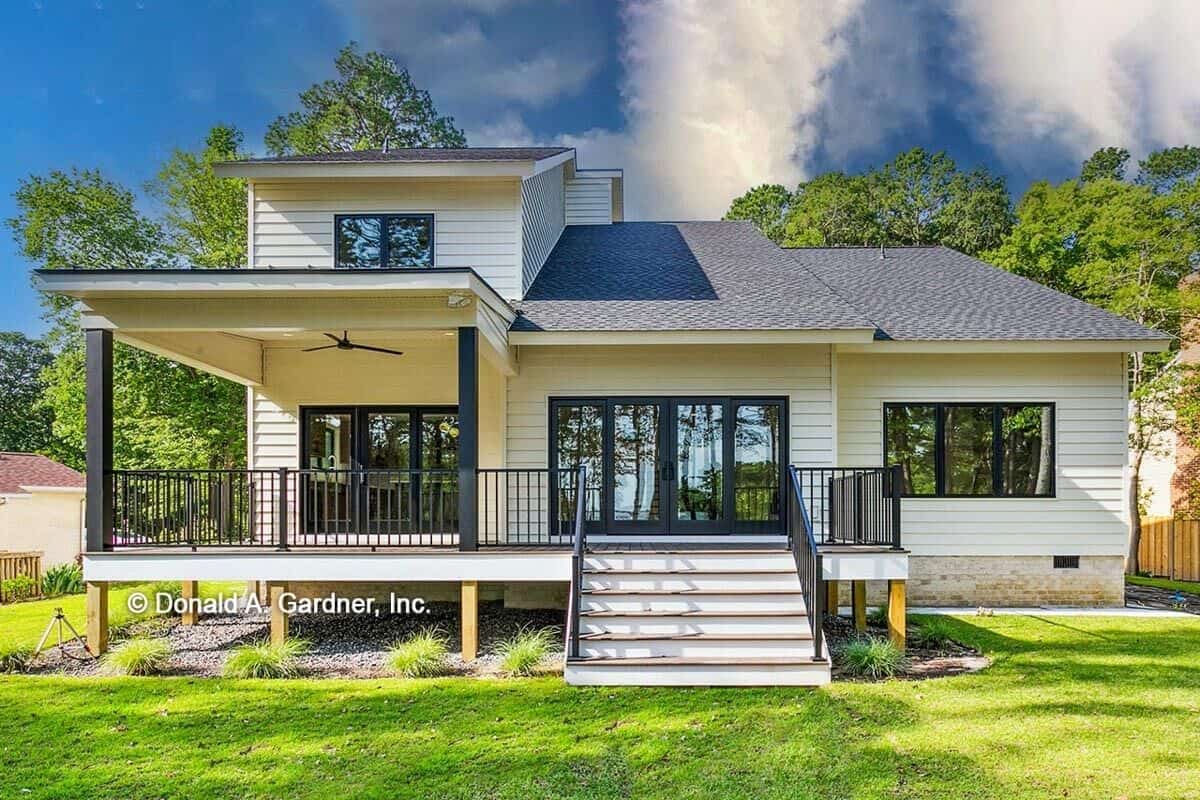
[[344, 343]]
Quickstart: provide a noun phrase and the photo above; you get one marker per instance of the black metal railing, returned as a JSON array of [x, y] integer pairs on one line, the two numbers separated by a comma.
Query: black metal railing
[[284, 508], [853, 505], [575, 602], [807, 555]]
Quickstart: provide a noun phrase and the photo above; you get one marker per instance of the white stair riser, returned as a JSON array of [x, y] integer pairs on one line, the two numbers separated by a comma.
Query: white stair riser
[[696, 649], [681, 604], [708, 582], [689, 561], [681, 626], [816, 674]]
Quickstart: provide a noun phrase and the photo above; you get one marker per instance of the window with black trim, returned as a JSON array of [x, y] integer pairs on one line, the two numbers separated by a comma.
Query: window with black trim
[[388, 241], [971, 449]]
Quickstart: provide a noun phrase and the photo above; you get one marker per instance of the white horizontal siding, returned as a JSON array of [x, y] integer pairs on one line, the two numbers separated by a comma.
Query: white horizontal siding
[[1087, 516], [800, 373], [589, 201], [476, 223], [543, 214]]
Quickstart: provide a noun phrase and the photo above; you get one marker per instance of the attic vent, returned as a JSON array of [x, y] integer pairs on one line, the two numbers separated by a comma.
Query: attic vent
[[1066, 562]]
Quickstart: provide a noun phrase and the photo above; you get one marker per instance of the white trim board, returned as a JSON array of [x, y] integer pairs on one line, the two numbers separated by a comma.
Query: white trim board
[[365, 567]]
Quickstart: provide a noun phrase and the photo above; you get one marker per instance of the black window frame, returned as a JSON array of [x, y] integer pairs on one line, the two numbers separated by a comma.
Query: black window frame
[[383, 217], [939, 447]]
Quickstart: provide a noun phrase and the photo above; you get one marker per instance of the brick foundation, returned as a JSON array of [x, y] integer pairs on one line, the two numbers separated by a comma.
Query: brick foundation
[[1006, 581]]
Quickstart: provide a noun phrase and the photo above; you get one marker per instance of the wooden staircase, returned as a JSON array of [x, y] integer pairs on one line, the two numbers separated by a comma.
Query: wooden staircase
[[693, 618]]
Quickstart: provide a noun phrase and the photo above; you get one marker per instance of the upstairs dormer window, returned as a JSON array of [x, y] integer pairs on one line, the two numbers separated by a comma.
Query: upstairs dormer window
[[383, 241]]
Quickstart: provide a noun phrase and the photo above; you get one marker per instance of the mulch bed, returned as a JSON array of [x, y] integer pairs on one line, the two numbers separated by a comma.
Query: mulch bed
[[342, 646], [1165, 599], [953, 659]]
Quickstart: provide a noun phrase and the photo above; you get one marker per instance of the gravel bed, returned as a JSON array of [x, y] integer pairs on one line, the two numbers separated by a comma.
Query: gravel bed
[[953, 659], [344, 646]]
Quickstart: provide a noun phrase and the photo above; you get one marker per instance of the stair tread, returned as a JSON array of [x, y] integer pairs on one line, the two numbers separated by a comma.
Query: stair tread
[[617, 661], [688, 613], [734, 591], [694, 637]]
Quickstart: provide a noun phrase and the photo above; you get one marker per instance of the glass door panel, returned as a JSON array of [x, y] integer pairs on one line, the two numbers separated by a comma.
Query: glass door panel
[[636, 461], [700, 465], [438, 460], [327, 491], [388, 486], [579, 442], [757, 465]]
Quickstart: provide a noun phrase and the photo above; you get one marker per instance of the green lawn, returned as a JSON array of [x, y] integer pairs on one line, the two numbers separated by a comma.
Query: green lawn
[[1163, 583], [1074, 707], [27, 621]]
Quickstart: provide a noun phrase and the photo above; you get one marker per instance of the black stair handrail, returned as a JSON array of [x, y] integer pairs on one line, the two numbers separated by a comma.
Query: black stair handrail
[[808, 559], [577, 551]]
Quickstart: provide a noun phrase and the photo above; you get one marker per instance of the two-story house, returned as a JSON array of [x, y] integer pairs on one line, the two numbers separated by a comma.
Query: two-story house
[[462, 367]]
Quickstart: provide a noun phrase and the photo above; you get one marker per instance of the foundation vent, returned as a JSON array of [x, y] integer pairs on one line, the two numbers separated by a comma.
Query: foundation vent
[[1066, 562]]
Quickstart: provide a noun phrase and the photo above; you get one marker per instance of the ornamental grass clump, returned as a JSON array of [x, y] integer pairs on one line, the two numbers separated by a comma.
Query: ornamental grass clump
[[266, 660], [931, 633], [872, 657], [14, 656], [421, 655], [138, 656], [62, 579], [524, 653]]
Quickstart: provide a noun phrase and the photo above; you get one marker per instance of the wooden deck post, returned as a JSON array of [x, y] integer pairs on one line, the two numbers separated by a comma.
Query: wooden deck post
[[859, 602], [279, 619], [897, 613], [831, 598], [97, 617], [191, 591], [470, 620]]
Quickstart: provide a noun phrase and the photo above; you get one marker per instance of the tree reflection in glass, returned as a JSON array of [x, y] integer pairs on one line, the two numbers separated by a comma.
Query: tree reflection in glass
[[635, 461], [700, 435]]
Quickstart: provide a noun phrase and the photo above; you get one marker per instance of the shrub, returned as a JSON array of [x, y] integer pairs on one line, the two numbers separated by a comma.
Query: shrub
[[872, 657], [14, 656], [63, 579], [20, 587], [422, 655], [931, 633], [138, 656], [878, 617], [524, 652], [266, 660]]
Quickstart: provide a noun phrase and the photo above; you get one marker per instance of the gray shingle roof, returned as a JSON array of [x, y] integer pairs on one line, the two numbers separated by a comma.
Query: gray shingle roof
[[416, 154], [656, 276], [935, 293]]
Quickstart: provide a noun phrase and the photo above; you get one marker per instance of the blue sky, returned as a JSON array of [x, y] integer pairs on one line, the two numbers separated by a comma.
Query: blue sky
[[697, 103]]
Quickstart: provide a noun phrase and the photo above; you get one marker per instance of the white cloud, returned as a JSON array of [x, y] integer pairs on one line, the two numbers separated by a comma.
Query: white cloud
[[1082, 74]]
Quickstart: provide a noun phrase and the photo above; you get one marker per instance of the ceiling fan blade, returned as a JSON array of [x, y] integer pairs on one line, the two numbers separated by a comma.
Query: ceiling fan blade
[[377, 349], [322, 347], [331, 336]]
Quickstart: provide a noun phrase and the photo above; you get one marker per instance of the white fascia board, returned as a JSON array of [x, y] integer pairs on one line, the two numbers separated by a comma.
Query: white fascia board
[[377, 169], [599, 173], [270, 565], [864, 566], [691, 337], [199, 283], [1013, 346], [541, 165]]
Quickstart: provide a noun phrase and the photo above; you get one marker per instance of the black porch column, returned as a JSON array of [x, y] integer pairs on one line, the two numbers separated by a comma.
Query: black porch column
[[468, 438], [99, 440]]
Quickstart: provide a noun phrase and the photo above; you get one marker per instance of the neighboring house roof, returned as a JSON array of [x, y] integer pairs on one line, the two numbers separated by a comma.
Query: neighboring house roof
[[416, 154], [18, 470], [664, 276], [935, 293]]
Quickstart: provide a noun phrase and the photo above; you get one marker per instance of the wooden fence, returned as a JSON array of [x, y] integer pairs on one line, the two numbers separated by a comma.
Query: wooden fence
[[1170, 548], [14, 564]]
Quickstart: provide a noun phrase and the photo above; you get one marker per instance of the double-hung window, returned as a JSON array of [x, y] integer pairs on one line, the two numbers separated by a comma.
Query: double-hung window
[[387, 241], [971, 449]]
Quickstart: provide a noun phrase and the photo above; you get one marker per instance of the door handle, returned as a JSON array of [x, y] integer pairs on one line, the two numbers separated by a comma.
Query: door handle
[[667, 472]]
